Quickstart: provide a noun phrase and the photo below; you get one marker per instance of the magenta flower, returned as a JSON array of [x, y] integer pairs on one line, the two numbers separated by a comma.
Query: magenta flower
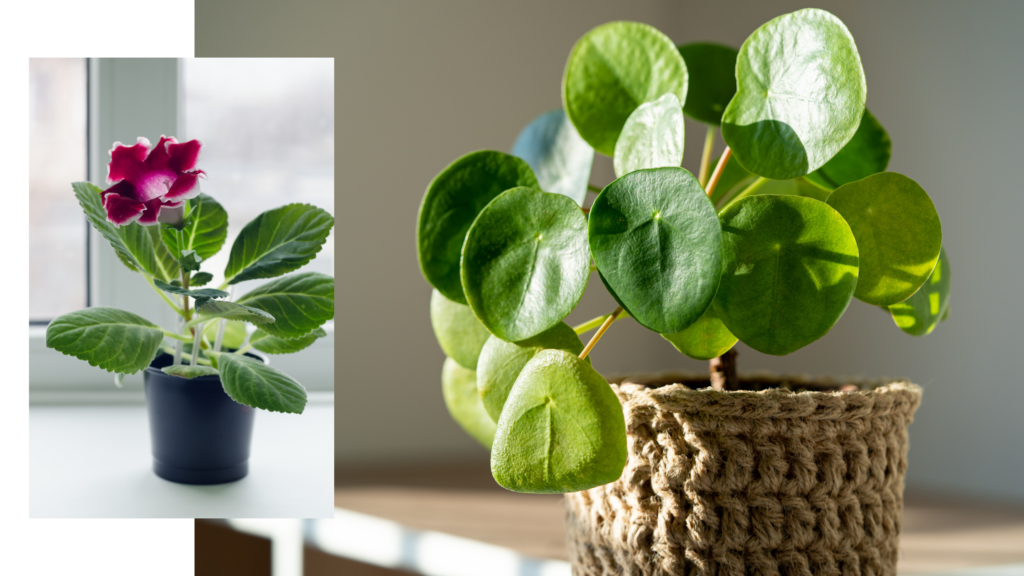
[[144, 180]]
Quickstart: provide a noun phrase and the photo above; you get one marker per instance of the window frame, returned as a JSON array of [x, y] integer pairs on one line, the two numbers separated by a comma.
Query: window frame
[[128, 97]]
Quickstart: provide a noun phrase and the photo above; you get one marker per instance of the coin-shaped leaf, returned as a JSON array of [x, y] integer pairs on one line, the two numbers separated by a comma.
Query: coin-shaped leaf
[[652, 137], [452, 201], [459, 333], [789, 273], [501, 362], [559, 157], [458, 385], [919, 314], [658, 246], [712, 69], [562, 429], [613, 69], [526, 262], [705, 339], [898, 234], [865, 154], [800, 95]]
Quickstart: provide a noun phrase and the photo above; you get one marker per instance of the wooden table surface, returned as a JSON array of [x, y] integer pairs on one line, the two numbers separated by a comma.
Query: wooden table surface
[[939, 534]]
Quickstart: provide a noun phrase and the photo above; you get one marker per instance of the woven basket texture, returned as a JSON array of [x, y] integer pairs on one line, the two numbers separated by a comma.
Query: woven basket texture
[[789, 480]]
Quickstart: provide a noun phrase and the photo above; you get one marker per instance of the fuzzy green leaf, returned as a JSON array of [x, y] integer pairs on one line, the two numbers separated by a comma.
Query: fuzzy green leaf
[[233, 311], [206, 293], [108, 338], [458, 385], [556, 153], [264, 342], [299, 303], [255, 384], [204, 229], [457, 330], [190, 371], [234, 334], [652, 137], [278, 241], [199, 279]]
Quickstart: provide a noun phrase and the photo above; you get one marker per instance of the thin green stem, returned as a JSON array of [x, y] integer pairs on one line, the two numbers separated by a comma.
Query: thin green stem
[[224, 285], [186, 357], [595, 322], [243, 349], [593, 188], [162, 294], [180, 337], [705, 159], [600, 332], [754, 187]]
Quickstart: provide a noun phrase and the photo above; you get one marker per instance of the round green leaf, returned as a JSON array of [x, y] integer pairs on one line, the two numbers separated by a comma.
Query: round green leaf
[[452, 201], [705, 339], [204, 229], [562, 429], [790, 269], [234, 334], [800, 96], [865, 154], [460, 396], [712, 69], [613, 69], [898, 234], [189, 371], [556, 153], [919, 314], [114, 340], [264, 342], [652, 137], [253, 383], [526, 262], [501, 362], [459, 333], [658, 244], [278, 241], [299, 303]]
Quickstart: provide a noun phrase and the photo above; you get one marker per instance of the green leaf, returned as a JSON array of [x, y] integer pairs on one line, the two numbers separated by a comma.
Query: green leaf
[[898, 234], [133, 243], [526, 262], [712, 69], [200, 279], [299, 303], [800, 97], [264, 342], [865, 154], [166, 265], [233, 311], [204, 229], [611, 71], [458, 385], [919, 314], [234, 334], [658, 244], [652, 137], [790, 269], [501, 362], [208, 293], [556, 153], [278, 241], [562, 429], [735, 178], [451, 204], [190, 371], [108, 338], [253, 383], [705, 339], [190, 261], [459, 333]]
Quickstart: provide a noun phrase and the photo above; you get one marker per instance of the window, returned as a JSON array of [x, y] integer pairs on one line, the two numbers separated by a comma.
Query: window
[[57, 157]]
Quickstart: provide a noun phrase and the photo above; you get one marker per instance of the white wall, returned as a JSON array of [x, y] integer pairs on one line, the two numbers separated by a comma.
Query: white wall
[[419, 84]]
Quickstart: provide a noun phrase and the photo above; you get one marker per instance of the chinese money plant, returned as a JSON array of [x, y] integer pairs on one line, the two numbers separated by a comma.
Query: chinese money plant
[[211, 336]]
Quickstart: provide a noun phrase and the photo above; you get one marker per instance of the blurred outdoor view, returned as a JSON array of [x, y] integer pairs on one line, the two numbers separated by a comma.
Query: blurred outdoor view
[[267, 127], [57, 157]]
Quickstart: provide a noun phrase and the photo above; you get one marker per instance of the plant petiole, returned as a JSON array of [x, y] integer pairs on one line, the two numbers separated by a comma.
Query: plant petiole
[[162, 293], [592, 188], [600, 332], [705, 159], [754, 187], [717, 174], [179, 337], [595, 322]]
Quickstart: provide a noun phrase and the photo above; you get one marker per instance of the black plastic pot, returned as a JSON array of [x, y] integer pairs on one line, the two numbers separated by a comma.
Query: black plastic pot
[[200, 435]]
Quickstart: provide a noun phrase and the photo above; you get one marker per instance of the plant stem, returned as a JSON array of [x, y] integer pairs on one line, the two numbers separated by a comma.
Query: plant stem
[[184, 284], [163, 294], [600, 332], [592, 188], [188, 357], [723, 371], [754, 187], [179, 337], [717, 174], [243, 349], [595, 322], [705, 159]]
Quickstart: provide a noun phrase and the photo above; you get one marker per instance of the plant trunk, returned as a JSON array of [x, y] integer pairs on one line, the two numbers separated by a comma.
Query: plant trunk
[[723, 371]]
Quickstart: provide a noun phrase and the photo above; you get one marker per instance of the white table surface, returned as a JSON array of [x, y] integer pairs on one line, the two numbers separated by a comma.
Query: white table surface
[[95, 462]]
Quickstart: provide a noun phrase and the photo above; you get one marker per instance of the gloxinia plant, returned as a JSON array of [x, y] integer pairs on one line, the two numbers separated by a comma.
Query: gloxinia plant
[[797, 218], [211, 336]]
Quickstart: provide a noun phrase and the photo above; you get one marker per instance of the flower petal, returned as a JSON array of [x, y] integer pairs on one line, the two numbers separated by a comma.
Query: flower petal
[[152, 211], [185, 187], [185, 155], [121, 210], [159, 157], [127, 161]]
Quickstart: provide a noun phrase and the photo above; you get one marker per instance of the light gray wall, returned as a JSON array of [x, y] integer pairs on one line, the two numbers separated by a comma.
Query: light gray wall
[[419, 84]]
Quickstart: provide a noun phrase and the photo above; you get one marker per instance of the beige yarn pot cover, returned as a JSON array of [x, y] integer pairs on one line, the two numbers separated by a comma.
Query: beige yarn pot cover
[[751, 483]]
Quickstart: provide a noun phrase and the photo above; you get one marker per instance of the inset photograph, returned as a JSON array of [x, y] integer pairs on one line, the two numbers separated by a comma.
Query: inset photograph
[[182, 288]]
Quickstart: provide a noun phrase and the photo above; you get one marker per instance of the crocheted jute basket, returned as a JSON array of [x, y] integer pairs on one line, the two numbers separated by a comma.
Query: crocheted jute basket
[[800, 478]]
